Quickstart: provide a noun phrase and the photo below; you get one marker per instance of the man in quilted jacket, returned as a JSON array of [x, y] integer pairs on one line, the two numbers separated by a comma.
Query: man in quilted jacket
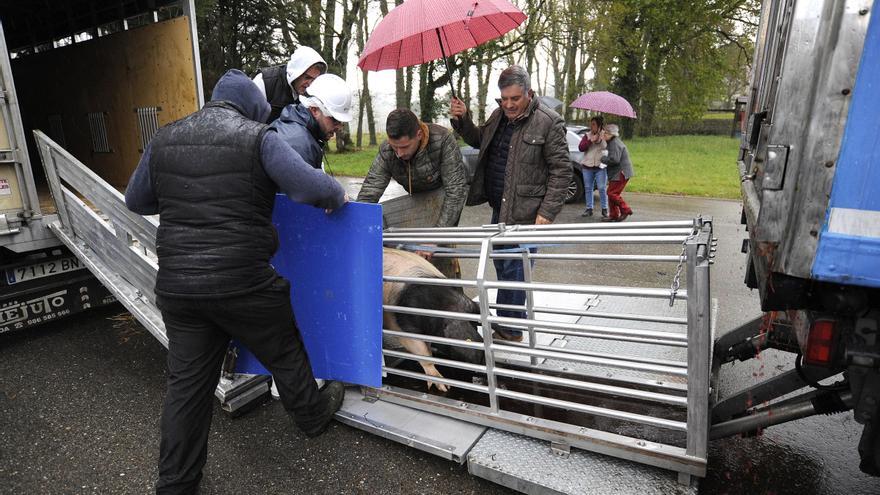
[[523, 169]]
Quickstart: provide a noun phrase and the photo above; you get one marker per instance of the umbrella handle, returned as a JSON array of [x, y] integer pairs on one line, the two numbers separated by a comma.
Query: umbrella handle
[[446, 61]]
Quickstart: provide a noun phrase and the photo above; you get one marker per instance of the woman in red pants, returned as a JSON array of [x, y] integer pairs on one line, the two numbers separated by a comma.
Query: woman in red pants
[[620, 170]]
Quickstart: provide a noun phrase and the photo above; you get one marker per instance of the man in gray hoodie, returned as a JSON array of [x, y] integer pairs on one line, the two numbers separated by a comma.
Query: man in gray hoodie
[[212, 177]]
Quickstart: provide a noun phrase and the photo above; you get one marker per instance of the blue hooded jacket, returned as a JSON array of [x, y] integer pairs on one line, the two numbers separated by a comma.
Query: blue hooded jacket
[[301, 131], [294, 177]]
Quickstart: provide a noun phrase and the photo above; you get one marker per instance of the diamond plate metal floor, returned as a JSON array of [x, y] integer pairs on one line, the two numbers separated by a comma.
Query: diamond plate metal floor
[[529, 466]]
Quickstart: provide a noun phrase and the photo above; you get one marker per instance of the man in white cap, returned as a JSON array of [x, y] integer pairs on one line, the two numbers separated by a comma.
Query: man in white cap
[[306, 127], [284, 84]]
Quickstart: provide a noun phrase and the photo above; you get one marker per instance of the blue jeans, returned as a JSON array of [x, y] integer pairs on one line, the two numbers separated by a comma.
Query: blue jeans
[[600, 175], [510, 270]]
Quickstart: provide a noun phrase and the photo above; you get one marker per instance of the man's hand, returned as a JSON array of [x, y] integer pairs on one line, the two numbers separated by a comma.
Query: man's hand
[[345, 199], [542, 221], [457, 109], [425, 254]]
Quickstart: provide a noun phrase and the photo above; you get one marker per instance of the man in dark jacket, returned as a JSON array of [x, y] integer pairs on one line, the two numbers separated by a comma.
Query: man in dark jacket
[[283, 85], [523, 168], [212, 176], [421, 157], [306, 127]]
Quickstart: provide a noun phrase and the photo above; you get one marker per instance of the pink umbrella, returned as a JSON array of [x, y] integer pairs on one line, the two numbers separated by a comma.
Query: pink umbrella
[[605, 102], [420, 31]]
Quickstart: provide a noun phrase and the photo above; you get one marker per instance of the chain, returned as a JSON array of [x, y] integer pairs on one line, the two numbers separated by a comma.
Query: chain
[[676, 279]]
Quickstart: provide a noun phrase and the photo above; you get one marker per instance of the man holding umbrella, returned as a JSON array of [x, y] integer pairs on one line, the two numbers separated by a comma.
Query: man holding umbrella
[[523, 169]]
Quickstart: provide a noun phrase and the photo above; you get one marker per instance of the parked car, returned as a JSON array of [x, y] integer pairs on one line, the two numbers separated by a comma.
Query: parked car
[[575, 191]]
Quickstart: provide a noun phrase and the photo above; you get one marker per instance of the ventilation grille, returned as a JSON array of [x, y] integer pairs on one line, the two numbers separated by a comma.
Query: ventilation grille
[[56, 130], [98, 130], [148, 124]]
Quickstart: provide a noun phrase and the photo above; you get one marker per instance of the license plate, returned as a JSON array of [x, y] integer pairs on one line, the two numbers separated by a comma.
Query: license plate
[[45, 269]]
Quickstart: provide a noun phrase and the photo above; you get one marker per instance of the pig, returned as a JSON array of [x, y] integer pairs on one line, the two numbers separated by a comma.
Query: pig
[[406, 264]]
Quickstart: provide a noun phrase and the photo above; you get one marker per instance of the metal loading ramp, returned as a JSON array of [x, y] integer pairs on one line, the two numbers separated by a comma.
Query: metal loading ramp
[[612, 370]]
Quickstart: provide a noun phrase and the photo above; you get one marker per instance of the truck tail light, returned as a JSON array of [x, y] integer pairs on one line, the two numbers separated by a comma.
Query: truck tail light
[[820, 343]]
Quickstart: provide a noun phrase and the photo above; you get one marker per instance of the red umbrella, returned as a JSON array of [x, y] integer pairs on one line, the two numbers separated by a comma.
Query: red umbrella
[[420, 31], [605, 102]]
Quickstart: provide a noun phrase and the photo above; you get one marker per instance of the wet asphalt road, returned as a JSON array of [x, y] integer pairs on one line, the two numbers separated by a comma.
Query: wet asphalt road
[[80, 400]]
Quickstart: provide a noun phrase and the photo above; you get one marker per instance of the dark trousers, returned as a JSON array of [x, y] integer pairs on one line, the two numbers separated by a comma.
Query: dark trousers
[[510, 270], [198, 332], [616, 204]]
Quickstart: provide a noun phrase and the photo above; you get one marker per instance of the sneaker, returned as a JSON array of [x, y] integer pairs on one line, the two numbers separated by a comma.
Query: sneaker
[[604, 212], [331, 400], [508, 334], [587, 213]]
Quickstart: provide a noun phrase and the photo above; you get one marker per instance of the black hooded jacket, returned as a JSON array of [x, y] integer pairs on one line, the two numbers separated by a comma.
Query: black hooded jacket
[[216, 237]]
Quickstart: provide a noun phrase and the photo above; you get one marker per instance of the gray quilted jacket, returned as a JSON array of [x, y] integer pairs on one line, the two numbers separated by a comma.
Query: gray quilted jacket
[[438, 164], [618, 160], [538, 170]]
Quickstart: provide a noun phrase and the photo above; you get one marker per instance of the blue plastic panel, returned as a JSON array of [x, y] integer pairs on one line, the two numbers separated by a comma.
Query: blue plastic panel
[[334, 264], [849, 244]]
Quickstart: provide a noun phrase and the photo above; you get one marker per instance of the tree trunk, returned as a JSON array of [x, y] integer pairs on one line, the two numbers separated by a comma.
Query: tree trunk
[[358, 140], [483, 71], [408, 87], [425, 101], [371, 120]]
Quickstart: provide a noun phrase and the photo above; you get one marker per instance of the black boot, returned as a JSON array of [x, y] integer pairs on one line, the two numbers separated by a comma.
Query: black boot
[[331, 400], [604, 212]]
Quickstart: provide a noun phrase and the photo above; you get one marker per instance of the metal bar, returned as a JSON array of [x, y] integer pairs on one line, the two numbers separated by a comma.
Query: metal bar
[[610, 239], [433, 339], [431, 312], [561, 353], [594, 387], [586, 289], [446, 282], [555, 234], [51, 168], [775, 387], [493, 228], [431, 359], [699, 345], [597, 411], [530, 303], [436, 379], [769, 416], [596, 314], [598, 361], [580, 328], [482, 269], [566, 257], [619, 239], [601, 375], [605, 355]]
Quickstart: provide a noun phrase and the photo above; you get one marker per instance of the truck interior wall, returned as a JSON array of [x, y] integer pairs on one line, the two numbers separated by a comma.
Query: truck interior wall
[[150, 66]]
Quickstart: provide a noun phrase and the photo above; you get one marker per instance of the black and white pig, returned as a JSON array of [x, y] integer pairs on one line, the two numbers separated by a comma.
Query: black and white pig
[[406, 264]]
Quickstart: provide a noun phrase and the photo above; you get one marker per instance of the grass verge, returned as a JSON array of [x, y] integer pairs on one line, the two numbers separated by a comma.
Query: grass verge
[[683, 165]]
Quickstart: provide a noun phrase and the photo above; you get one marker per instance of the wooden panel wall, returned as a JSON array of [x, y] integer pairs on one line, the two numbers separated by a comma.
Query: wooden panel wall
[[145, 67]]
